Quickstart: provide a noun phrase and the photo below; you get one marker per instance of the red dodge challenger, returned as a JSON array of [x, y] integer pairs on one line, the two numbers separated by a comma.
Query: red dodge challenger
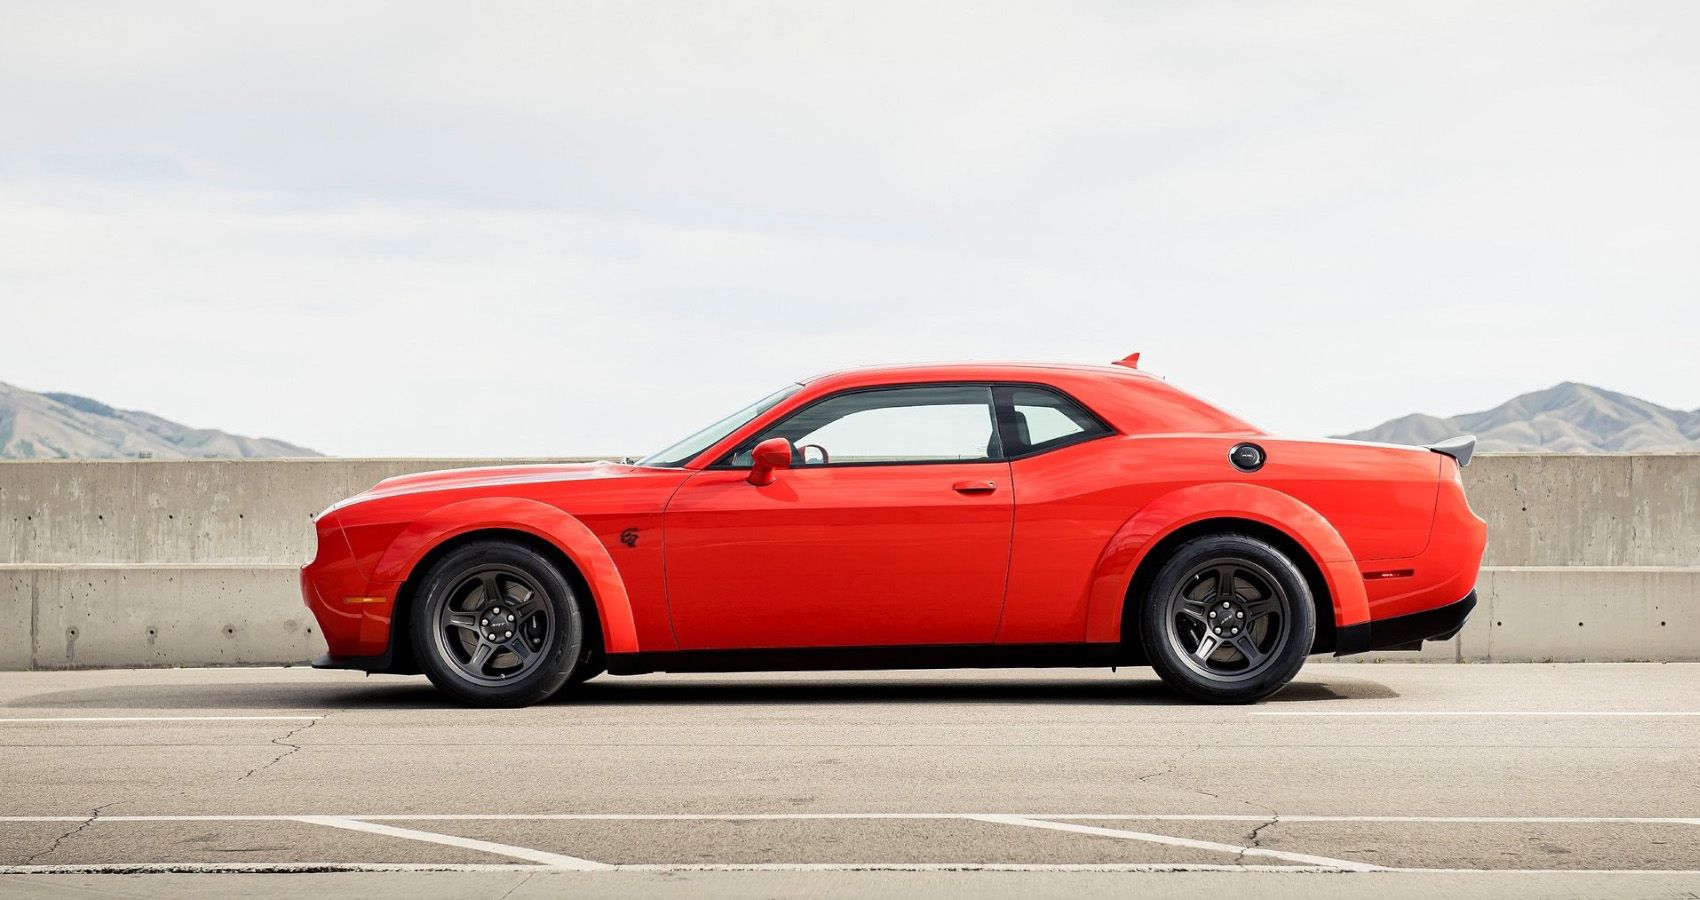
[[932, 516]]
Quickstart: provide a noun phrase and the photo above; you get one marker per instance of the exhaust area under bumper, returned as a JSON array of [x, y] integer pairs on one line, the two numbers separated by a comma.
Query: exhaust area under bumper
[[1405, 632]]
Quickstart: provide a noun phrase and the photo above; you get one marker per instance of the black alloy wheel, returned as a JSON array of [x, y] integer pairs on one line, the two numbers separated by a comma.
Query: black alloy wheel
[[1228, 619], [497, 625]]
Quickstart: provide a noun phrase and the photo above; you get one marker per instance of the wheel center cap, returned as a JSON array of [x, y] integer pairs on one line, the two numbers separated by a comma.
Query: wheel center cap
[[1226, 618], [497, 622]]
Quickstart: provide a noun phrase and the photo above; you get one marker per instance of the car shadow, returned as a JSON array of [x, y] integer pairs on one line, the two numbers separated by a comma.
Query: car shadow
[[379, 692], [1113, 690], [404, 692]]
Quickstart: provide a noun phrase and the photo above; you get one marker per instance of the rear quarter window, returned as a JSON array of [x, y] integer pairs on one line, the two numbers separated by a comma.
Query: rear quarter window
[[1035, 419]]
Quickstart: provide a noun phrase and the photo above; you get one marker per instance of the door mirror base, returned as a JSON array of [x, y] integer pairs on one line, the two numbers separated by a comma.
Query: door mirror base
[[769, 457]]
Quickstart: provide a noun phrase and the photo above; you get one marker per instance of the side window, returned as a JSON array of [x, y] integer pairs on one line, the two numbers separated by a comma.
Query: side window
[[1036, 420], [946, 423]]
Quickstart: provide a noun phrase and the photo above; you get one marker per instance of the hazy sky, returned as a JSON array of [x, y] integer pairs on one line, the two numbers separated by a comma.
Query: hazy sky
[[550, 228]]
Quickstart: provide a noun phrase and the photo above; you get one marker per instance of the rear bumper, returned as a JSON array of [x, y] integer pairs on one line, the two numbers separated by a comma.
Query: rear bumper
[[1405, 632]]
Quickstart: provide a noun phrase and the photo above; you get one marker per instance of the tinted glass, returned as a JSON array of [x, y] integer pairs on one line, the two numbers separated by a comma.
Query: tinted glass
[[1039, 420], [685, 450], [889, 425]]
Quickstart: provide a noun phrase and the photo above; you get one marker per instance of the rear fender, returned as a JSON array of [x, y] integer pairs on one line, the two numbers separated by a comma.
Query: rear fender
[[545, 522], [1171, 512]]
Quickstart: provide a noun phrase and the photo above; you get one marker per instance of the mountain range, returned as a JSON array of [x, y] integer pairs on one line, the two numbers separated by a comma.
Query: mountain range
[[1566, 418], [66, 426]]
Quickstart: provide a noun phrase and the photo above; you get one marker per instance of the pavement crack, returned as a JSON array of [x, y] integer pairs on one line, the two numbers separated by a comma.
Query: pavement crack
[[1255, 839], [1172, 765], [284, 742], [517, 885], [72, 832]]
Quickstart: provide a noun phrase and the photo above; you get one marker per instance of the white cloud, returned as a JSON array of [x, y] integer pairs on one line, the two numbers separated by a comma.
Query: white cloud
[[553, 228]]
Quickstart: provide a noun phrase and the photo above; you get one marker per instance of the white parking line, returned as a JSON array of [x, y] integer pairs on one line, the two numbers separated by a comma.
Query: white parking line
[[270, 868], [58, 720], [534, 860], [1476, 712], [773, 817], [1189, 843], [962, 867], [554, 860], [1440, 820]]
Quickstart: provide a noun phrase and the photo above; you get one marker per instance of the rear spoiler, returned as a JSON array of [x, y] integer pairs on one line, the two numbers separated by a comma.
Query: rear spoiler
[[1459, 448]]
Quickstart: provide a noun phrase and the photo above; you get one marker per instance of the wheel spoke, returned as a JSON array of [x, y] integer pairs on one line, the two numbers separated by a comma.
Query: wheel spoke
[[528, 607], [481, 656], [463, 620], [1248, 649], [1224, 582], [1261, 607], [521, 649], [1193, 612], [1207, 645], [492, 588]]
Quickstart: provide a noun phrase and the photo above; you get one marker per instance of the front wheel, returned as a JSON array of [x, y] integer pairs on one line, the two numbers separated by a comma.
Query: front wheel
[[1228, 619], [497, 625]]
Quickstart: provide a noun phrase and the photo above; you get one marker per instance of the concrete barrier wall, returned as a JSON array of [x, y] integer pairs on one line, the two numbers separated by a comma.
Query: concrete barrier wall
[[1574, 614], [61, 617], [1542, 510], [170, 562], [1588, 510], [182, 511]]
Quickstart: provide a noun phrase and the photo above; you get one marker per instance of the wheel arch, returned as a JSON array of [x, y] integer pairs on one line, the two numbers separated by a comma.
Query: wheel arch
[[555, 534], [1160, 552], [1140, 546]]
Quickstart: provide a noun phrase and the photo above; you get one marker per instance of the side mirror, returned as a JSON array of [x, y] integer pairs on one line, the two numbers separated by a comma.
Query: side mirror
[[813, 454], [769, 456]]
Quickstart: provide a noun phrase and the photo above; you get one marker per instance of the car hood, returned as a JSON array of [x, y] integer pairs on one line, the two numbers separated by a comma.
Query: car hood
[[490, 476]]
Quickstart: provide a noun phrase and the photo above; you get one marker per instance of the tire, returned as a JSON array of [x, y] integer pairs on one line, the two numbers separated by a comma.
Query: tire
[[589, 666], [584, 674], [1237, 647], [513, 594]]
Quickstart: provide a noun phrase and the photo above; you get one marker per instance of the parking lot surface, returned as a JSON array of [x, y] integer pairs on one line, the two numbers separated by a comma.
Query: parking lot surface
[[1473, 780]]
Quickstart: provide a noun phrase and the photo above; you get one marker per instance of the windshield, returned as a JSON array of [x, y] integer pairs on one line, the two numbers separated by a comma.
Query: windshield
[[684, 451]]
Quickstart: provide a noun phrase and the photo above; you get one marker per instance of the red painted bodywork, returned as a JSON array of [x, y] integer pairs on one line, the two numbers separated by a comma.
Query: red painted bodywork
[[892, 555]]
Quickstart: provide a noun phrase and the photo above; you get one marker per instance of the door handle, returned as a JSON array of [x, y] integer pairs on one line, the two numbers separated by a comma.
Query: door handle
[[974, 487]]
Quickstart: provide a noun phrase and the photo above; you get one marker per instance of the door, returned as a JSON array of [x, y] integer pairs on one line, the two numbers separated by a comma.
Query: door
[[891, 528]]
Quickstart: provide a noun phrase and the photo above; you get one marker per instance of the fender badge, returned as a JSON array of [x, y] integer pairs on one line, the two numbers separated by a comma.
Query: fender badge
[[629, 537]]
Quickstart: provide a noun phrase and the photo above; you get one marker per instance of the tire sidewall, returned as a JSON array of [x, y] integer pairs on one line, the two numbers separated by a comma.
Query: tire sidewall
[[1288, 659], [558, 663]]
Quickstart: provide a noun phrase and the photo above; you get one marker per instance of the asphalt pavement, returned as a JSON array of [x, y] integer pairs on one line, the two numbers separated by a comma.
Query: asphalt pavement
[[1487, 780]]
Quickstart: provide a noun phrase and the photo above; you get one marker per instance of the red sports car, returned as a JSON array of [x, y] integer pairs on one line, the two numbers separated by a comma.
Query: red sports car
[[911, 517]]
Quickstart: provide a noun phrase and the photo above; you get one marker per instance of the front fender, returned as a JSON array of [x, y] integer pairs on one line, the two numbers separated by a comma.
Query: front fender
[[1171, 512], [545, 522]]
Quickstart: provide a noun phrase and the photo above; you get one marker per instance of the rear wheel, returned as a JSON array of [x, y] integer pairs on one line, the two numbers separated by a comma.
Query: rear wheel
[[1228, 619], [497, 625]]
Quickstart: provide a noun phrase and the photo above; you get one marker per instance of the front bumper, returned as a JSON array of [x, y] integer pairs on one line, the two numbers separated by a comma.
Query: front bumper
[[353, 613], [383, 662], [1405, 632]]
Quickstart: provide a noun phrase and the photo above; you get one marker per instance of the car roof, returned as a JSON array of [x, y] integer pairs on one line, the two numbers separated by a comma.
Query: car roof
[[970, 370]]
